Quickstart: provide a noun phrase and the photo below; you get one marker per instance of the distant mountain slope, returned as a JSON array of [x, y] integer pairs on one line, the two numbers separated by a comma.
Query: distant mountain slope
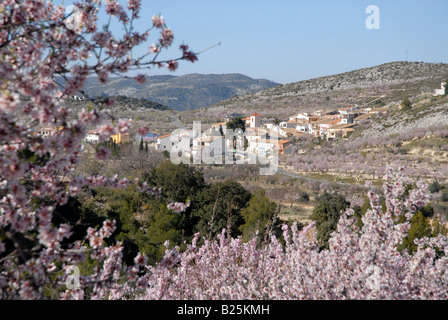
[[385, 84], [185, 92]]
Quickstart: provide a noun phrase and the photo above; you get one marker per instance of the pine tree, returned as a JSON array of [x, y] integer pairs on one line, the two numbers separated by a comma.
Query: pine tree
[[141, 144]]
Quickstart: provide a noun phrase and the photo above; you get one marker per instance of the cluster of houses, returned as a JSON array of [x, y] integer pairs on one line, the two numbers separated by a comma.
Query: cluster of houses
[[92, 137], [217, 141], [261, 137], [118, 138], [265, 137], [326, 124]]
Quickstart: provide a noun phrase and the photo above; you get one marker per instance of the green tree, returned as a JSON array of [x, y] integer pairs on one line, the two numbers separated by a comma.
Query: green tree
[[444, 197], [326, 214], [164, 225], [259, 216], [141, 144], [420, 227], [236, 123], [434, 187], [179, 182], [219, 206], [406, 104]]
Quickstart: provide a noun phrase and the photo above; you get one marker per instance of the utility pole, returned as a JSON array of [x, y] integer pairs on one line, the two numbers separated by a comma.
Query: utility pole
[[407, 51]]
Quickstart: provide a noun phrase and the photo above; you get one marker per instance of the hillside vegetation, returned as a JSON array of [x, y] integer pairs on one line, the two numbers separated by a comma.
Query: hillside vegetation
[[384, 85]]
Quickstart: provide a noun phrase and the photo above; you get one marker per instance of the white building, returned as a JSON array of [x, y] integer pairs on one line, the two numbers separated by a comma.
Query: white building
[[304, 116], [348, 110], [289, 124], [92, 137], [442, 91], [164, 143], [178, 141], [209, 149], [49, 131], [255, 120], [304, 127]]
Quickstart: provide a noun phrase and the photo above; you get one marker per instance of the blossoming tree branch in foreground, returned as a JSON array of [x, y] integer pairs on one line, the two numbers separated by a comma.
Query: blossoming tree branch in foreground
[[46, 56]]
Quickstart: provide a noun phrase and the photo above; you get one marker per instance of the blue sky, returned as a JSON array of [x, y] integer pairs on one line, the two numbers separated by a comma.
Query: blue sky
[[289, 40]]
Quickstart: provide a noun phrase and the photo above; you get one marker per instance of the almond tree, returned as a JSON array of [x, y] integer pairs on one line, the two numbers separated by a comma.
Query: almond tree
[[360, 263], [46, 56]]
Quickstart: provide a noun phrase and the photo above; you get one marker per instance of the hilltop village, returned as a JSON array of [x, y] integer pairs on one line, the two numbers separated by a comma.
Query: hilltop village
[[246, 136], [261, 136]]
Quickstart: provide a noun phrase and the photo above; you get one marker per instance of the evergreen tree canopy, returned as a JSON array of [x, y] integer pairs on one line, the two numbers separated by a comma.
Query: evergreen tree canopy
[[326, 214]]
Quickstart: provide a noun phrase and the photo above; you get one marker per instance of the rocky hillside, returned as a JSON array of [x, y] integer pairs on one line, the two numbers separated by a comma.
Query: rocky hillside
[[185, 92], [426, 112], [382, 85]]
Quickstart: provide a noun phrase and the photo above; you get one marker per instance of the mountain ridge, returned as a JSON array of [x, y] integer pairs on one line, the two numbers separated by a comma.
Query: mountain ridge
[[185, 92], [389, 82]]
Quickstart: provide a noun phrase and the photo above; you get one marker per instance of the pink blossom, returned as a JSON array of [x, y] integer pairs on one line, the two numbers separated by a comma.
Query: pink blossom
[[141, 79], [124, 125], [167, 37], [173, 65], [140, 259], [103, 153], [187, 54], [158, 21], [39, 44], [154, 48], [143, 130]]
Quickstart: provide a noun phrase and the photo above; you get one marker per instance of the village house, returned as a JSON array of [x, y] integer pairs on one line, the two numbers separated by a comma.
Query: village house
[[347, 110], [363, 118], [442, 91], [347, 118], [216, 126], [92, 137], [120, 138], [290, 133], [323, 126], [340, 131], [326, 112], [48, 131], [150, 137], [267, 147], [305, 116], [210, 148], [181, 141], [255, 120], [164, 143]]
